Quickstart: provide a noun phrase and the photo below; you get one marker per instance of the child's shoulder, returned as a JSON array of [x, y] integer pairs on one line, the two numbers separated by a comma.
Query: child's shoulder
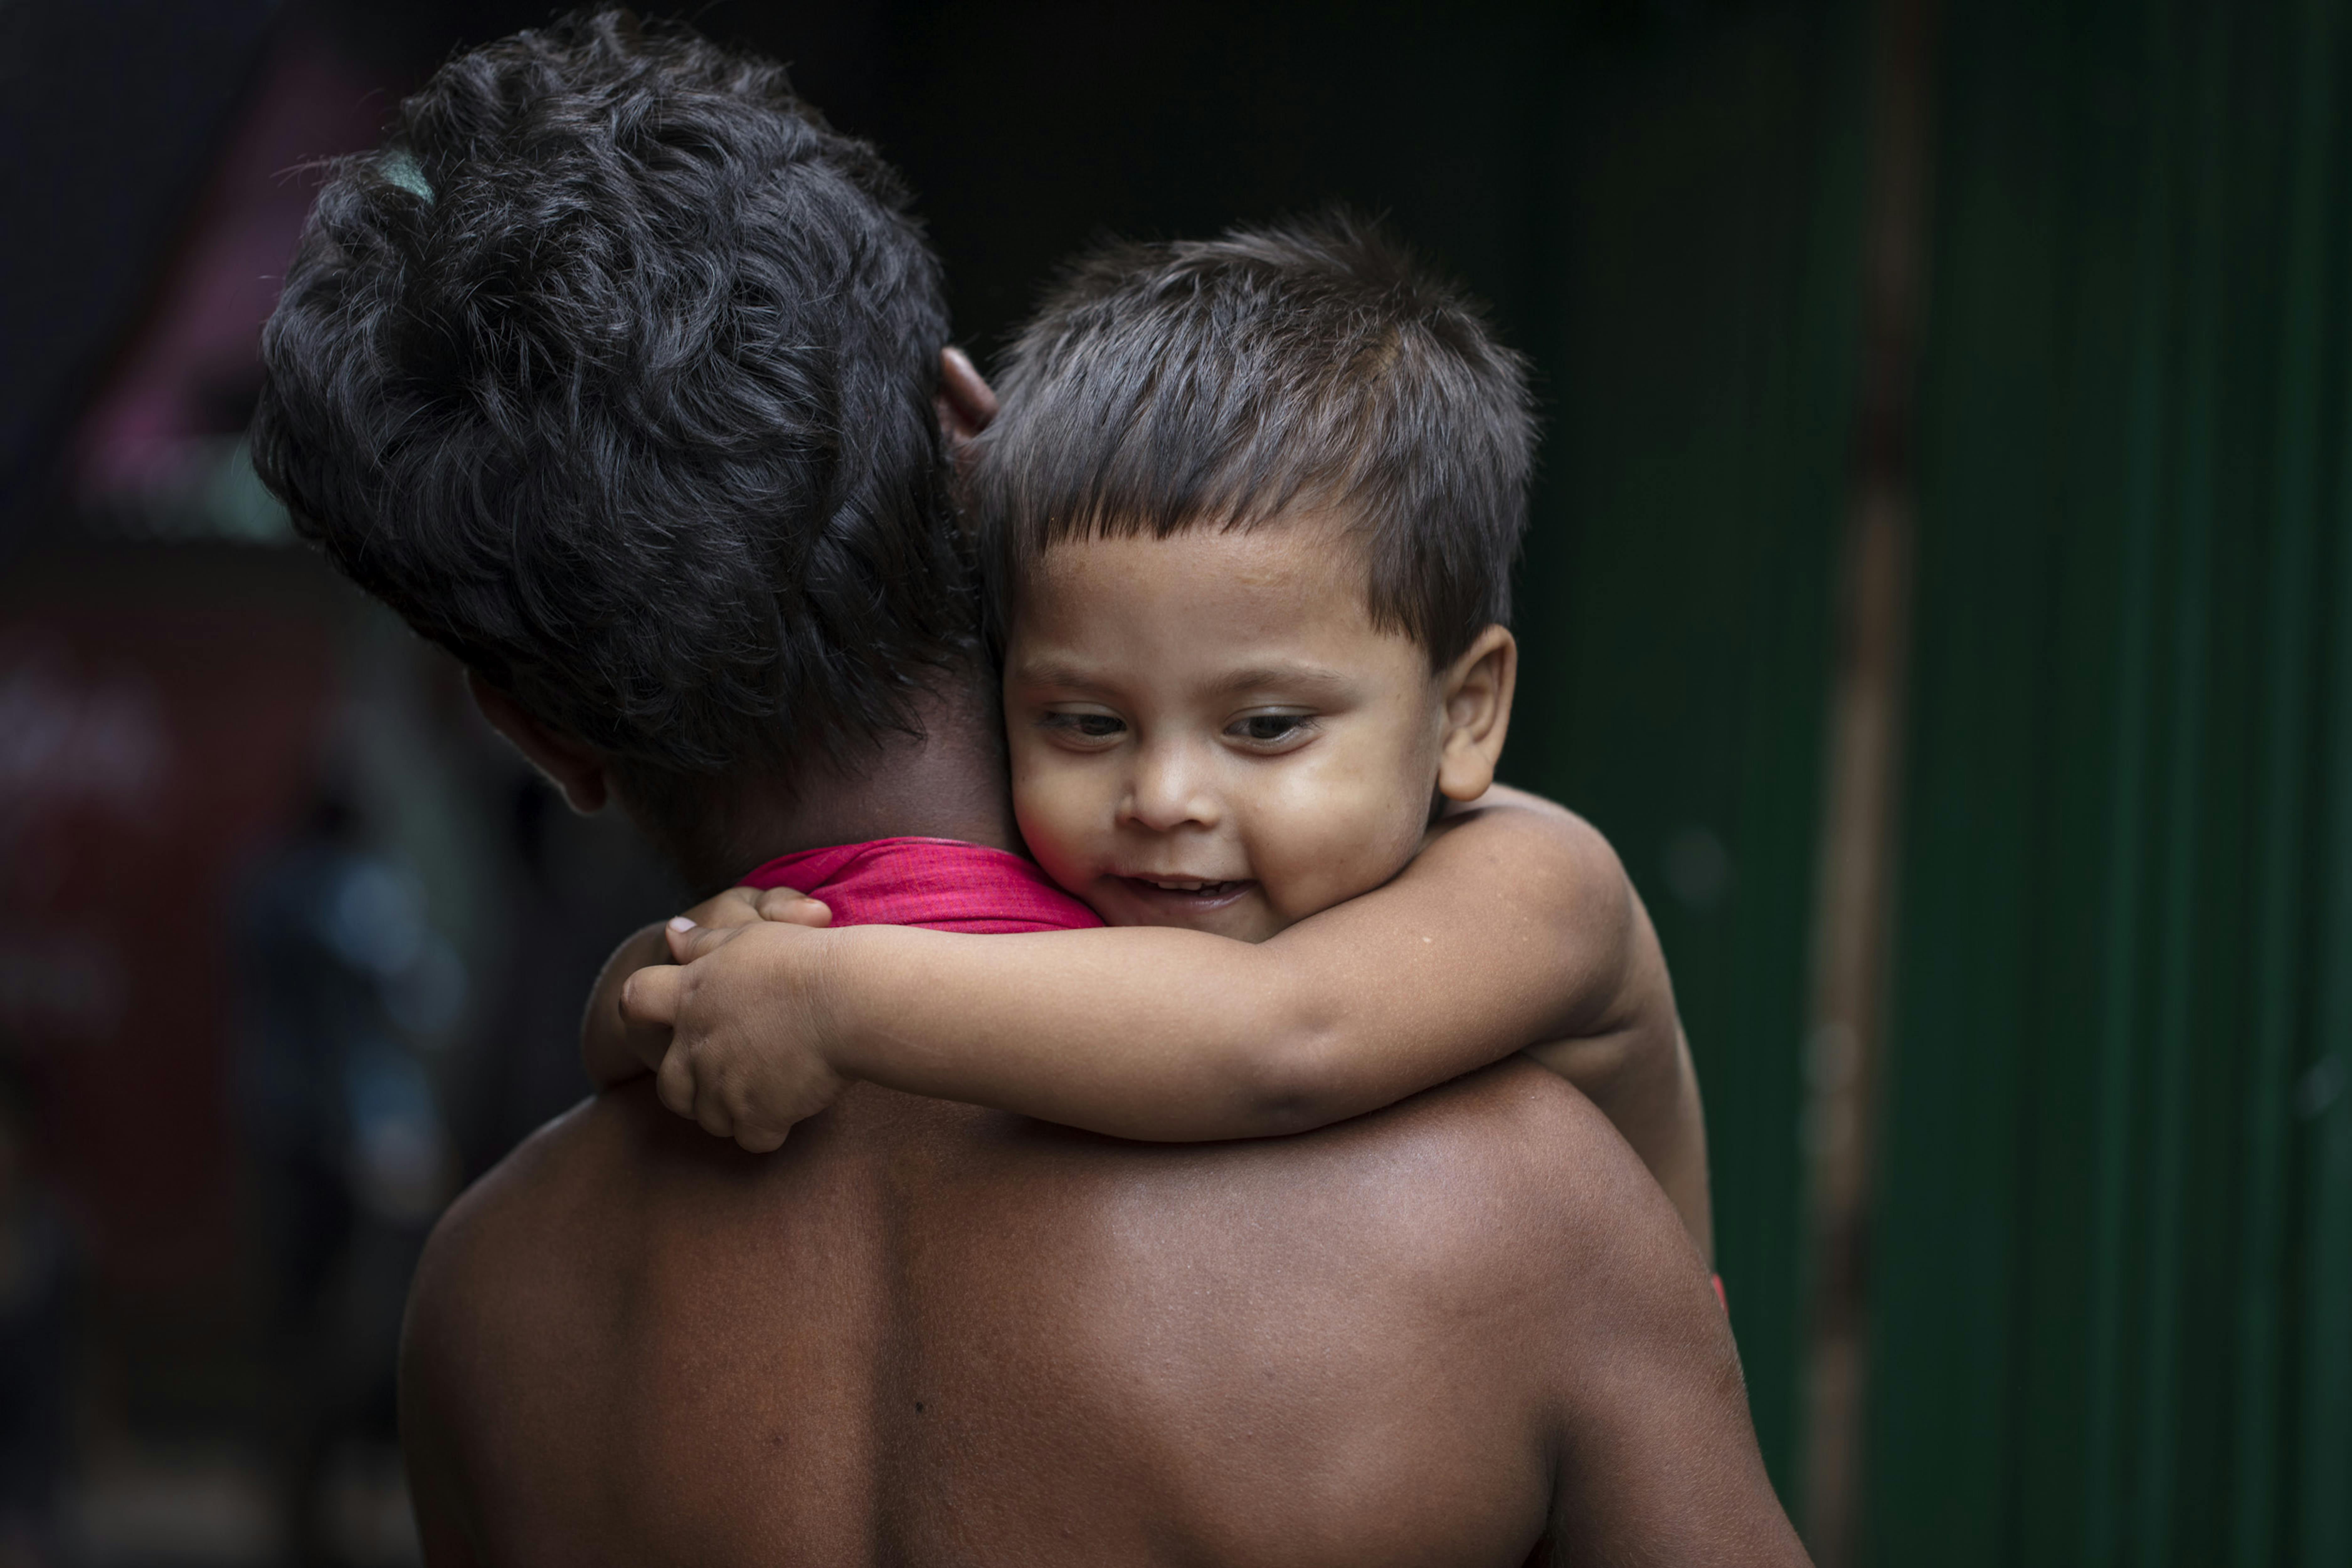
[[1524, 822], [1536, 852], [1503, 798]]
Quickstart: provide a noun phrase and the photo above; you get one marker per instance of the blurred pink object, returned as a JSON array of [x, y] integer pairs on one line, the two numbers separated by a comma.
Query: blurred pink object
[[187, 377]]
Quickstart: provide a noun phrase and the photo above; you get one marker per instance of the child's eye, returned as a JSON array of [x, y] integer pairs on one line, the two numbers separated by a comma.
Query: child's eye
[[1084, 725], [1270, 729]]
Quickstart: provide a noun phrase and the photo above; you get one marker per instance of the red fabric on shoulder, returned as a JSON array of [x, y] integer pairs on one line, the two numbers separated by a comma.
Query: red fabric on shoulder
[[945, 884]]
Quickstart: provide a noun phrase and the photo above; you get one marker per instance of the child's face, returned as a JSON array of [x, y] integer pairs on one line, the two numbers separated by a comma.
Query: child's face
[[1207, 730]]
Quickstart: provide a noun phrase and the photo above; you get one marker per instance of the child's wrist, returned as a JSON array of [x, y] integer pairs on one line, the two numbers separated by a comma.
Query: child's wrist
[[852, 996], [826, 988]]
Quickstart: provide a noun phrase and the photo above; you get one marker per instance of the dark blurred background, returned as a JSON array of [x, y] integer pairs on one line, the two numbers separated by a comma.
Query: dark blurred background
[[1937, 591]]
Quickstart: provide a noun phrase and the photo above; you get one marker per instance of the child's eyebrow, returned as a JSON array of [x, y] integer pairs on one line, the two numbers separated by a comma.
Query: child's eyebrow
[[1058, 672], [1312, 677]]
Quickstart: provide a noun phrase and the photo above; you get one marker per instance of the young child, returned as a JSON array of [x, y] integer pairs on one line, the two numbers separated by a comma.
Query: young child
[[1251, 509]]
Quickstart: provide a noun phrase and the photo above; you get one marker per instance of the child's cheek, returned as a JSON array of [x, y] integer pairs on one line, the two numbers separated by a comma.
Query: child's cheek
[[1058, 812], [1344, 831]]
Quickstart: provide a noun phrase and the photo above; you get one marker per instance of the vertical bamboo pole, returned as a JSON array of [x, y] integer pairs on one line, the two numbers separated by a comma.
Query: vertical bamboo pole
[[1861, 778]]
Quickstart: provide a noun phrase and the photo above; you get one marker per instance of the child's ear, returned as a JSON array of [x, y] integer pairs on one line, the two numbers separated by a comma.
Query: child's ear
[[1476, 690], [967, 402], [572, 767]]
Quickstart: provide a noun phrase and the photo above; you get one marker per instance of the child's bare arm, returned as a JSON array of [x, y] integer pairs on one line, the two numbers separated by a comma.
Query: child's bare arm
[[1516, 925], [613, 1049]]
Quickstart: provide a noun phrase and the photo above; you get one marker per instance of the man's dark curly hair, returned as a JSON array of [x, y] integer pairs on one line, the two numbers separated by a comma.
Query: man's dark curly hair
[[613, 371], [1237, 381]]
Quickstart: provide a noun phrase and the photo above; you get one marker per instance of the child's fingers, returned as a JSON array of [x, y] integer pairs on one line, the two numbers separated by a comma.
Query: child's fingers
[[712, 1114], [647, 1042], [674, 1084], [782, 904], [747, 1119], [649, 995], [687, 943], [736, 906], [758, 1140]]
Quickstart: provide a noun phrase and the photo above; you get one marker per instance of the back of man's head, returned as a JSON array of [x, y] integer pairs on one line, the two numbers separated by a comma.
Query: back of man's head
[[613, 371]]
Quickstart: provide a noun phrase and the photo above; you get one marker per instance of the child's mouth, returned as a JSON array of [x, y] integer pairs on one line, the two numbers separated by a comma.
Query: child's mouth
[[1186, 892]]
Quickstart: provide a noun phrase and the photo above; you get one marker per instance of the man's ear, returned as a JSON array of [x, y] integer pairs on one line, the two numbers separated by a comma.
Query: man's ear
[[572, 766], [967, 402], [1477, 689]]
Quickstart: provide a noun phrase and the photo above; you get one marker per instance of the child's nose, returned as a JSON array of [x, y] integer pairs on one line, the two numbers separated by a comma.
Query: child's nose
[[1167, 791]]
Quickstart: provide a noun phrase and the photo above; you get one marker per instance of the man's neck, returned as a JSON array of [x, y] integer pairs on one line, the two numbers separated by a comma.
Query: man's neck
[[947, 782]]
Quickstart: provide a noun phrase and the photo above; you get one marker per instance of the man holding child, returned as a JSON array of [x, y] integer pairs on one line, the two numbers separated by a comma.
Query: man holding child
[[621, 376]]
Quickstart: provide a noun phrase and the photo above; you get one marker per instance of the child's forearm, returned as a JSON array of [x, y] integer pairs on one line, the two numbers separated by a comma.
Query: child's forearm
[[1138, 1033], [1516, 928]]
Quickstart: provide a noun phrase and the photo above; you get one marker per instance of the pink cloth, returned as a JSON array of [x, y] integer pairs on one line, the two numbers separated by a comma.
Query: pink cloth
[[943, 884]]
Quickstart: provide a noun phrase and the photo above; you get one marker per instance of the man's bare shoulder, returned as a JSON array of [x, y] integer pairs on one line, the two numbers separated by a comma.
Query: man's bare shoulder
[[1508, 1178], [1562, 1208], [522, 1240], [1498, 1160], [1478, 1250], [1504, 1196], [550, 1158]]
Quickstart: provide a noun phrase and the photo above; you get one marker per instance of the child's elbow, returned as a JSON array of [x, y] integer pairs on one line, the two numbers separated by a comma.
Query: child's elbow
[[1295, 1083]]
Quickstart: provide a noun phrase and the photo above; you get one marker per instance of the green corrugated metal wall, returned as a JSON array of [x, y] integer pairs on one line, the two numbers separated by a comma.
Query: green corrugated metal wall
[[1675, 603], [2113, 1271]]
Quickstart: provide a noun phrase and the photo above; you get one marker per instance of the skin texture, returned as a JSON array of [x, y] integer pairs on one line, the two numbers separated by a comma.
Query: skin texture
[[1218, 708], [1515, 924], [1211, 737], [1465, 1329], [925, 1332]]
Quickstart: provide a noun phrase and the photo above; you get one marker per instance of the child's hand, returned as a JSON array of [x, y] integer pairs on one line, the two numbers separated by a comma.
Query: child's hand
[[613, 1049], [740, 906], [746, 1056]]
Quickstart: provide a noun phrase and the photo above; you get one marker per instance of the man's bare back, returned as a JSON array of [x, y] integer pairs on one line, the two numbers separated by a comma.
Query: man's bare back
[[925, 1334]]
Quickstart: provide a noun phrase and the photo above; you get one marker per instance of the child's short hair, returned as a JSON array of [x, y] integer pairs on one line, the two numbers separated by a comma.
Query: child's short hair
[[1223, 382], [614, 372]]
